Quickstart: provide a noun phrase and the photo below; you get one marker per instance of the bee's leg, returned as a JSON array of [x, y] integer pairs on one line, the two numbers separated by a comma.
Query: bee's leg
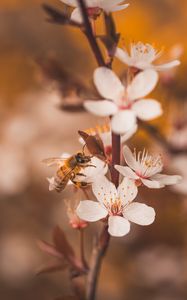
[[89, 166], [79, 184], [80, 174]]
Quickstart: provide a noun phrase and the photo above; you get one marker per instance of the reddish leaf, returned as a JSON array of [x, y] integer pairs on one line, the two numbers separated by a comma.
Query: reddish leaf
[[51, 267], [94, 144], [49, 249], [62, 244]]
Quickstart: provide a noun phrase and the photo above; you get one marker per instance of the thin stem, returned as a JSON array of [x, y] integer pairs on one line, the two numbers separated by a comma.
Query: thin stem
[[82, 254], [116, 149], [98, 253], [89, 34]]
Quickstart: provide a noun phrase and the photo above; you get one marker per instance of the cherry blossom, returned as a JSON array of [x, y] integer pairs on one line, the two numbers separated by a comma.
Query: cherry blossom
[[142, 56], [125, 103], [95, 8], [116, 205], [145, 169]]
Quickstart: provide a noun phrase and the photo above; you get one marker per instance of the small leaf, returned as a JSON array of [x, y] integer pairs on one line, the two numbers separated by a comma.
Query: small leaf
[[50, 249], [51, 267], [94, 144], [62, 244]]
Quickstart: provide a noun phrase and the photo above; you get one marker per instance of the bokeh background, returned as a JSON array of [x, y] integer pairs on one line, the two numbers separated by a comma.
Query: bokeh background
[[151, 262]]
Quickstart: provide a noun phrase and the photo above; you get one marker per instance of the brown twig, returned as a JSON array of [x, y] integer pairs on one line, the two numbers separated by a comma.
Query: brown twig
[[89, 34], [82, 254], [98, 253]]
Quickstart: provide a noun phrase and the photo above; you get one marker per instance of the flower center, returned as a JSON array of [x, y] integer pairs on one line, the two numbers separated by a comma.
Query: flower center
[[147, 164], [94, 12], [124, 102], [114, 207]]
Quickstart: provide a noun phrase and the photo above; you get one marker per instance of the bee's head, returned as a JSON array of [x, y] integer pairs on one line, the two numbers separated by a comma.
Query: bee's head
[[82, 158]]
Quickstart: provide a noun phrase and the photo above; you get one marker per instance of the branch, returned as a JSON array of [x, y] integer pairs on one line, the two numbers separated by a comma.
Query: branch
[[99, 251], [89, 34]]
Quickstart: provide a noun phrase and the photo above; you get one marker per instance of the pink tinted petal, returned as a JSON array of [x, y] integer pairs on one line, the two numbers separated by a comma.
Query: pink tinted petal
[[167, 179], [129, 158], [126, 171], [70, 2], [91, 211], [123, 121], [125, 137], [142, 84], [127, 190], [148, 109], [117, 8], [123, 56], [167, 66], [108, 84], [139, 213], [153, 184], [103, 189], [102, 108], [118, 226], [76, 15]]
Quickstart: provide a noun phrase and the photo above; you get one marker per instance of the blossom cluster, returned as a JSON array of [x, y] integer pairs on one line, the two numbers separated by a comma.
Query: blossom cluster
[[124, 102]]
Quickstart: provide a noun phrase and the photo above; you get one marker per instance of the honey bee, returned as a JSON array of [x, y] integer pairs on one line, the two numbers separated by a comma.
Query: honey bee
[[68, 169]]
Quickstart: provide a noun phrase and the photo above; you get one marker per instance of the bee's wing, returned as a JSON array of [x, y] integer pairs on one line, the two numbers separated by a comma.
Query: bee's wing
[[54, 161]]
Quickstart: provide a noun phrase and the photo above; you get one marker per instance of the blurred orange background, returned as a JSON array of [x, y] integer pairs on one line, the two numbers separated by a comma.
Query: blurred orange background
[[150, 263]]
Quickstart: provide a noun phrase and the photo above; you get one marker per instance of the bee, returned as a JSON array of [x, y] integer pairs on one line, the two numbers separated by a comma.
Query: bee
[[68, 169]]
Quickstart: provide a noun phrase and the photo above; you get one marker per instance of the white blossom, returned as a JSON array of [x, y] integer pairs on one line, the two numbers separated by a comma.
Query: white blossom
[[142, 56], [125, 103], [95, 7], [116, 205], [145, 169]]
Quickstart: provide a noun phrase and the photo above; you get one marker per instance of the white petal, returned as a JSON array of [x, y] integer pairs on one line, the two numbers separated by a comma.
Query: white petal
[[142, 84], [153, 184], [123, 56], [108, 3], [117, 8], [118, 226], [103, 189], [129, 158], [76, 15], [147, 109], [167, 66], [108, 84], [91, 211], [91, 173], [127, 190], [125, 137], [106, 138], [126, 171], [167, 179], [139, 213], [123, 121], [102, 108], [70, 2], [52, 184]]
